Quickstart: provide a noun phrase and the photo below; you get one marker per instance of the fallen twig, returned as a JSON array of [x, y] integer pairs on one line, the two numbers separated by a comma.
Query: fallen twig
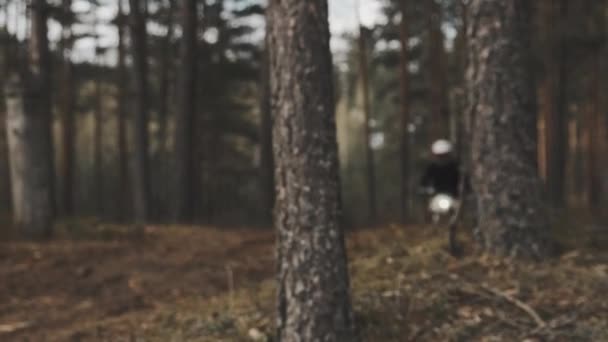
[[230, 276], [523, 306], [556, 323], [12, 327]]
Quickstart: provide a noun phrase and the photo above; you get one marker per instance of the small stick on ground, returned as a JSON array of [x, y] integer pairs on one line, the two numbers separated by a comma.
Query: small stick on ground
[[556, 323], [523, 306], [230, 276]]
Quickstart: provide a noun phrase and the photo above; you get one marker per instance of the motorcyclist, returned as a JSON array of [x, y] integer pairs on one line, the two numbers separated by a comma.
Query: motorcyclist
[[442, 175]]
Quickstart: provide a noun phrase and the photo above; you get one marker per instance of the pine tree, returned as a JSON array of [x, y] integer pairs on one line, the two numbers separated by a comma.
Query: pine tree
[[184, 119], [28, 101], [313, 283], [140, 179], [512, 219]]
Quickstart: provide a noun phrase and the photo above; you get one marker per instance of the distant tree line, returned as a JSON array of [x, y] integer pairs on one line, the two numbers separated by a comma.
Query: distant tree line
[[171, 122]]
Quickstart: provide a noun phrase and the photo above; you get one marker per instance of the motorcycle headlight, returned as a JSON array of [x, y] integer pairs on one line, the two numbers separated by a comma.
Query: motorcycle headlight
[[441, 203], [444, 203]]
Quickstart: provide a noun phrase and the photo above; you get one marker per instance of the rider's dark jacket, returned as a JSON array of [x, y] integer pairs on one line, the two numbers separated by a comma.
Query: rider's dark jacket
[[443, 176]]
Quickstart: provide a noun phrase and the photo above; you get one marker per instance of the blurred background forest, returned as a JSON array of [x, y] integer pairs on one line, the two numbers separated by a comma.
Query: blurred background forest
[[95, 87]]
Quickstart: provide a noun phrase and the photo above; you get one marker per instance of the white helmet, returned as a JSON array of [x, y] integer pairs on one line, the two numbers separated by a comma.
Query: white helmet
[[441, 147]]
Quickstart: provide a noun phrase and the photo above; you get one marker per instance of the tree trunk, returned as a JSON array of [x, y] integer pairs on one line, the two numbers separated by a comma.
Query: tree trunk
[[140, 179], [266, 158], [123, 167], [595, 110], [405, 108], [545, 36], [556, 122], [185, 115], [370, 174], [29, 134], [67, 117], [313, 284], [98, 135], [591, 119], [167, 66], [438, 104], [511, 218]]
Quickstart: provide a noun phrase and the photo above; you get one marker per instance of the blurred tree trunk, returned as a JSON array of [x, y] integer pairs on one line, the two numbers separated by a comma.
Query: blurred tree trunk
[[167, 66], [140, 179], [27, 17], [597, 24], [185, 115], [370, 175], [592, 114], [438, 100], [545, 86], [67, 114], [405, 108], [556, 125], [98, 132], [6, 45], [462, 118], [512, 218], [266, 158], [123, 166], [6, 65], [603, 114], [313, 284], [29, 133]]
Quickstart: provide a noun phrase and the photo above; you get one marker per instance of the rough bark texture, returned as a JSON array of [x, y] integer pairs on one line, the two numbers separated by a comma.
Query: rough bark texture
[[370, 174], [140, 179], [313, 284], [512, 220], [184, 196], [404, 98], [29, 134], [123, 167]]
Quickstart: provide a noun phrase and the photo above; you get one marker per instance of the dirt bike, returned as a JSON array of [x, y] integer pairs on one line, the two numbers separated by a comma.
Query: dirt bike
[[443, 210], [441, 206]]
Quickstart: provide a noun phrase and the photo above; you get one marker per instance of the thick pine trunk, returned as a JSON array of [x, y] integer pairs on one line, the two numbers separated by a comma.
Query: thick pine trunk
[[313, 283], [140, 179], [184, 194], [29, 134], [404, 98], [512, 219]]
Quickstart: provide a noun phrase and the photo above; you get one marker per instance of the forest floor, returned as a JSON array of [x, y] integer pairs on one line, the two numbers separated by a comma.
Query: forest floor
[[113, 283]]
